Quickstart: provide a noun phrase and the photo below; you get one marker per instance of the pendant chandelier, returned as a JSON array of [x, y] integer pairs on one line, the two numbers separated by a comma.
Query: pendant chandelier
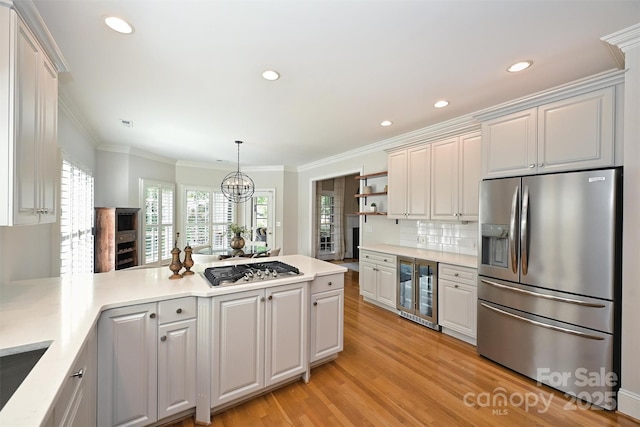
[[237, 187]]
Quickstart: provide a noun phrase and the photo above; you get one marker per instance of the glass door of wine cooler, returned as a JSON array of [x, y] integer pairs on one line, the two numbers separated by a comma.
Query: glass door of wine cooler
[[406, 294], [426, 290]]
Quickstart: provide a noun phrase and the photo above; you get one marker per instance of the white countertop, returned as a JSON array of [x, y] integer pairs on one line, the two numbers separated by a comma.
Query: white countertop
[[65, 310], [437, 256]]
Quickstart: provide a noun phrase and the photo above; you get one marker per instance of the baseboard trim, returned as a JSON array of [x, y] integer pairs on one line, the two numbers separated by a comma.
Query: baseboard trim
[[629, 403]]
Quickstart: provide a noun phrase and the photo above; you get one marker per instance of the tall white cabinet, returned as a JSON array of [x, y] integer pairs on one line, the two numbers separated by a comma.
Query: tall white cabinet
[[455, 177], [28, 147], [409, 183]]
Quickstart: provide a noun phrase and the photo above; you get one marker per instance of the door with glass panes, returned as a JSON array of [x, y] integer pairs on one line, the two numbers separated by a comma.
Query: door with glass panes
[[417, 289], [260, 218]]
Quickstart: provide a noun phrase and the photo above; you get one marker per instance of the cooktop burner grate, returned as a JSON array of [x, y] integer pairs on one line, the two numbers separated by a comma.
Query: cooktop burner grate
[[258, 271]]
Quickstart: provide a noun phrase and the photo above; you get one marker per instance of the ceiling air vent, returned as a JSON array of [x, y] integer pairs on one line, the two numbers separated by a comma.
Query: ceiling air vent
[[126, 123]]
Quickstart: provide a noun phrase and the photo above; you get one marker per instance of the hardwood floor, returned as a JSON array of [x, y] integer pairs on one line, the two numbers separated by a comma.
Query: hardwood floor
[[394, 372]]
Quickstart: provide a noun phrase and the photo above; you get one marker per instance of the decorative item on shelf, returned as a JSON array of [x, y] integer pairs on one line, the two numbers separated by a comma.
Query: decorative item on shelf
[[367, 189], [237, 187], [175, 265], [237, 241], [373, 207], [188, 261], [386, 188]]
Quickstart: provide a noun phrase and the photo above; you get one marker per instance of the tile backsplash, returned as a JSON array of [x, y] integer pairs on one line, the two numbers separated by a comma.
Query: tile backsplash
[[440, 236]]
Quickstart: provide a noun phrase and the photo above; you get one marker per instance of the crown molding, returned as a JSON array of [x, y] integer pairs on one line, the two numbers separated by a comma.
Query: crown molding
[[29, 13], [434, 132], [230, 167], [132, 151], [66, 105], [625, 39], [575, 88]]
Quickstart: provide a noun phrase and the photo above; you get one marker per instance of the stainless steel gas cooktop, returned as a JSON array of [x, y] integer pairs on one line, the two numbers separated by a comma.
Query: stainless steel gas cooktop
[[246, 273]]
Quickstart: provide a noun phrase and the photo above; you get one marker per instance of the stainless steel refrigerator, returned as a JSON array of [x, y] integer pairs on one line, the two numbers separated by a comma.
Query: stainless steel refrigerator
[[549, 279]]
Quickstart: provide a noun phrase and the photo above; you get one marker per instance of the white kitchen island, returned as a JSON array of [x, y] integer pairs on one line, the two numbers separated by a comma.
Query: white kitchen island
[[65, 312]]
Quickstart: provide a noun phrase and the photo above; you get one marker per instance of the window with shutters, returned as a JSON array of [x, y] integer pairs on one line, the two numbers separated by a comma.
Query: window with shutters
[[326, 221], [76, 219], [158, 221], [208, 215]]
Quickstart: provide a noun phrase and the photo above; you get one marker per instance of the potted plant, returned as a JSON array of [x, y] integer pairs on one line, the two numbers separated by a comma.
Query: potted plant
[[373, 207], [237, 241]]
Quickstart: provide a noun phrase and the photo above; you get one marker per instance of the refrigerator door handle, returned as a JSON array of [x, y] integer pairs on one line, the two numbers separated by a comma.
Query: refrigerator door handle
[[524, 232], [543, 325], [549, 297], [512, 230]]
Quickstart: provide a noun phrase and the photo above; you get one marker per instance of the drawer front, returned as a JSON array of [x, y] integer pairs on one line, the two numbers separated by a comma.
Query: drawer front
[[458, 274], [176, 309], [327, 283], [126, 236], [379, 258]]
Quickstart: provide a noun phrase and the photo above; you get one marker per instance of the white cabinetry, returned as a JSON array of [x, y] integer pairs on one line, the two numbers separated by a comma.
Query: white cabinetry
[[457, 298], [76, 404], [455, 176], [28, 141], [327, 317], [378, 278], [409, 183], [133, 390], [259, 339], [570, 134]]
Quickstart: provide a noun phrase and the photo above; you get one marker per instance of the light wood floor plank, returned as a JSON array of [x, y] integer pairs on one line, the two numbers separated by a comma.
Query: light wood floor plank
[[394, 372]]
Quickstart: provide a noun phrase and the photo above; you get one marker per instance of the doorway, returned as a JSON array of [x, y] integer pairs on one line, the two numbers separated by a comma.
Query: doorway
[[260, 215]]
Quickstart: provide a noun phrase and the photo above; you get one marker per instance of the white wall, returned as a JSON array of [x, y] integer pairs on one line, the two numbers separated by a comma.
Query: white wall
[[111, 179]]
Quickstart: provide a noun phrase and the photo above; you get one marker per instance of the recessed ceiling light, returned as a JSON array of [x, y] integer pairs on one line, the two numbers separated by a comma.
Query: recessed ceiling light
[[441, 103], [386, 123], [118, 24], [519, 66], [271, 75]]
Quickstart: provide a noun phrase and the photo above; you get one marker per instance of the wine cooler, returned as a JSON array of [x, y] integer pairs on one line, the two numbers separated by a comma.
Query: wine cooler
[[417, 291]]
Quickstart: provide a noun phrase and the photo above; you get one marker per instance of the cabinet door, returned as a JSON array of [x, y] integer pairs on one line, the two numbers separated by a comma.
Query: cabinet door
[[176, 367], [286, 332], [27, 127], [327, 324], [48, 156], [127, 360], [397, 184], [577, 133], [238, 345], [368, 280], [444, 179], [418, 182], [457, 306], [469, 176], [387, 292], [509, 145]]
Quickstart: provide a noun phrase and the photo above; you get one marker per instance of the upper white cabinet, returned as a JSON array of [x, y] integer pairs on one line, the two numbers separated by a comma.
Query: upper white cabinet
[[409, 183], [569, 134], [28, 124], [455, 175]]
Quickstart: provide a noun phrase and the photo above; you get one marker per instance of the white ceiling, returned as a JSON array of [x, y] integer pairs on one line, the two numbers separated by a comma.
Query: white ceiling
[[189, 77]]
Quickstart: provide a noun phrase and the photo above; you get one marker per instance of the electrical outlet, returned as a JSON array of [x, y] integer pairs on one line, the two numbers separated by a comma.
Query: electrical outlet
[[422, 239]]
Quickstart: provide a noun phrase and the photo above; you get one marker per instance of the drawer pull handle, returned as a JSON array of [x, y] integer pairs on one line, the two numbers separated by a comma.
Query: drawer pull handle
[[179, 311], [455, 286], [456, 274], [315, 303], [163, 338], [270, 297], [330, 283], [78, 374], [152, 315], [262, 299]]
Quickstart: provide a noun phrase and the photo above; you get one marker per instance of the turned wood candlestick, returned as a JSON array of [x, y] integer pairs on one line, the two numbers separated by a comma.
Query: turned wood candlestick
[[188, 261], [175, 265]]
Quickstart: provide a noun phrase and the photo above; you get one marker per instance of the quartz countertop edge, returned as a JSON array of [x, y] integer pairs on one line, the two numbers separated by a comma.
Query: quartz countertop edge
[[462, 260], [66, 310]]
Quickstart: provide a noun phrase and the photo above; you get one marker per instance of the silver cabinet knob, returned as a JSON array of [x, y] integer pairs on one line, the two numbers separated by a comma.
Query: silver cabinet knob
[[532, 165], [78, 374], [163, 338], [541, 165]]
